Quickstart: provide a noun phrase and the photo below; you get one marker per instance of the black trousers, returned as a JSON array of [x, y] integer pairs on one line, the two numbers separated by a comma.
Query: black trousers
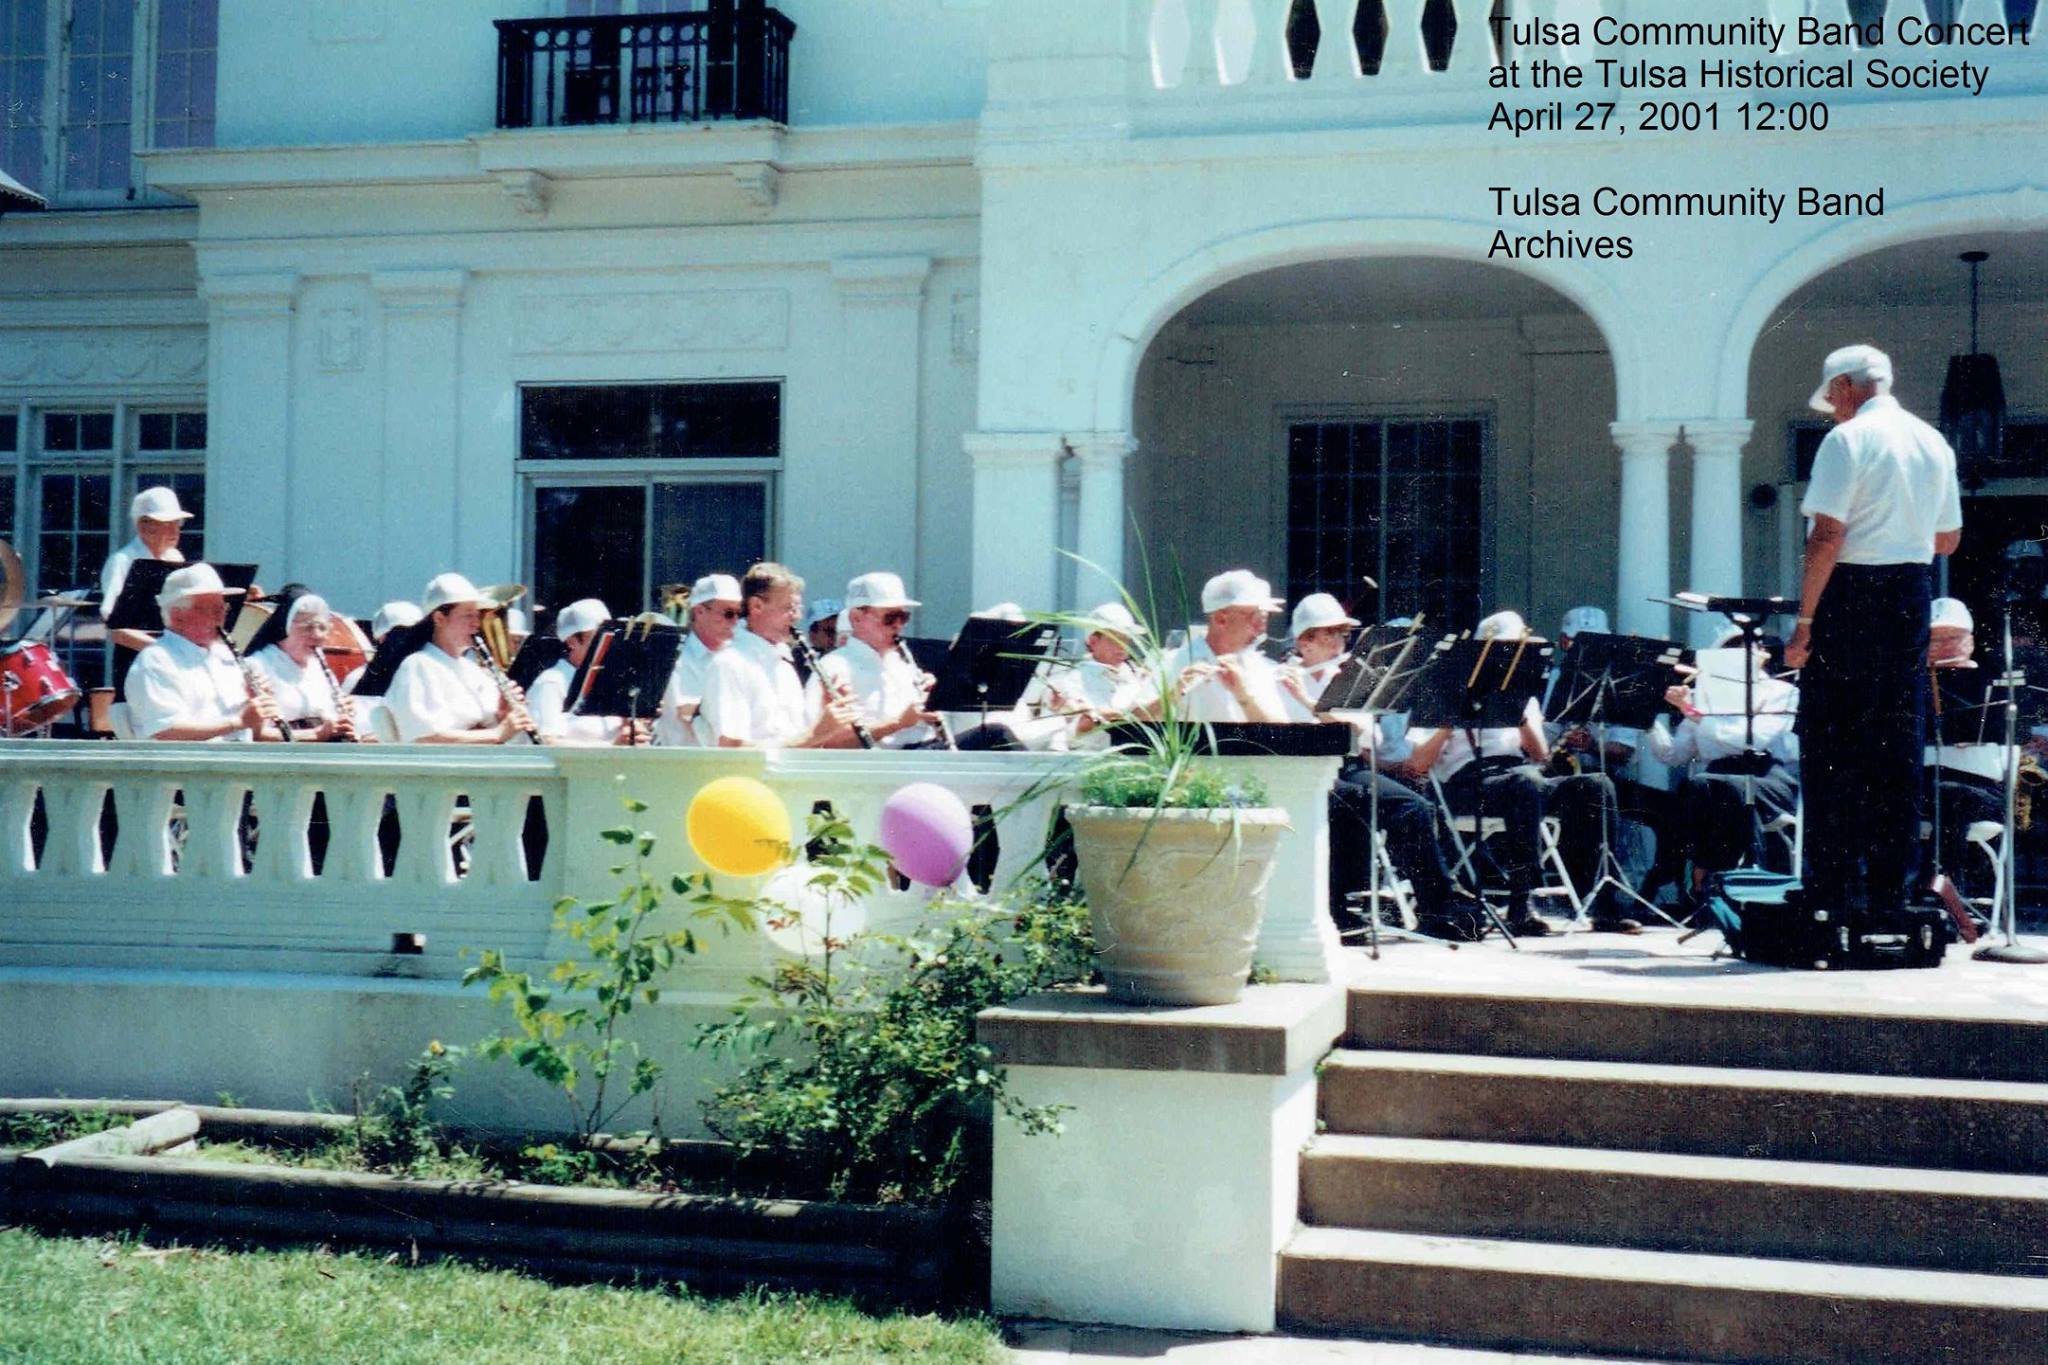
[[1521, 795], [1715, 827], [1862, 730], [1409, 820]]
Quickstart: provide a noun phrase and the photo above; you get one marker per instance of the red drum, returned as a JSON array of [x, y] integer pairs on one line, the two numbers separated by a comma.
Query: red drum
[[34, 691]]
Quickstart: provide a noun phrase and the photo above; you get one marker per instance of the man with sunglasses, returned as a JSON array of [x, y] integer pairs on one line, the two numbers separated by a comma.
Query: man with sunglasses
[[753, 695], [714, 615], [871, 674]]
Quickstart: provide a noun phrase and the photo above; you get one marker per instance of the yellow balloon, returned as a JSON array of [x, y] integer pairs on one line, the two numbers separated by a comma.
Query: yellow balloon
[[739, 827]]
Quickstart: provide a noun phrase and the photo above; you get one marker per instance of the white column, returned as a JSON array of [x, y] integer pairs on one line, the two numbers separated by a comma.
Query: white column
[[1645, 535], [431, 519], [1100, 541], [1716, 514], [1016, 516], [881, 308], [249, 506]]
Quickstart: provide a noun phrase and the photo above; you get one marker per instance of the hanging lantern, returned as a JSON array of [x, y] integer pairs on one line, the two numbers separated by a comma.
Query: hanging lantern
[[1973, 401]]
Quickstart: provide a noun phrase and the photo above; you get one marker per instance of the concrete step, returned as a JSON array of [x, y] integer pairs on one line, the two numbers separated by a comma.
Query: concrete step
[[1964, 1044], [1708, 1111], [1541, 1295], [1864, 1215]]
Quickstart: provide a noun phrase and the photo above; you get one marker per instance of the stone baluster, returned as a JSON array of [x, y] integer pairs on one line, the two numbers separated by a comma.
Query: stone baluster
[[1472, 50], [1166, 41], [143, 806], [1406, 57], [284, 808], [1202, 70], [426, 811], [213, 830], [1832, 12], [1336, 52], [17, 810], [497, 851], [1268, 63], [72, 807], [354, 812]]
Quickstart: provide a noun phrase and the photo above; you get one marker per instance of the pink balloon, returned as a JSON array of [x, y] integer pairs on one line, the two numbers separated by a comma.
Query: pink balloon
[[928, 833]]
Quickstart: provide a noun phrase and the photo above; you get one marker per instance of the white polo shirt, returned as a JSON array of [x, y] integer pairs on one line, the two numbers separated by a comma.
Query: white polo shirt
[[115, 572], [174, 684], [1891, 480], [301, 691], [1211, 700], [685, 684], [1711, 738], [436, 693], [547, 701], [1085, 685], [881, 686], [752, 694]]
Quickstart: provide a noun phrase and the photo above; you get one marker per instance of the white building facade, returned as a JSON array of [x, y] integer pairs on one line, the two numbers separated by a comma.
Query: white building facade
[[991, 293]]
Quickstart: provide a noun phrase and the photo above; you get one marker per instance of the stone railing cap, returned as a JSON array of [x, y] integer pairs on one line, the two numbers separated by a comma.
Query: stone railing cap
[[1274, 1031]]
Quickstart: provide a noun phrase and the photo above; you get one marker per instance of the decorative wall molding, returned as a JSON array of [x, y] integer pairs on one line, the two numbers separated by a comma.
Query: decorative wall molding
[[254, 294], [340, 339], [881, 279], [529, 191], [640, 321], [759, 183], [965, 325], [52, 358], [420, 289]]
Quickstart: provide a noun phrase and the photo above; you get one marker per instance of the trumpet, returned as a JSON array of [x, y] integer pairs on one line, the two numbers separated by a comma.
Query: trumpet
[[835, 693], [259, 691], [515, 699]]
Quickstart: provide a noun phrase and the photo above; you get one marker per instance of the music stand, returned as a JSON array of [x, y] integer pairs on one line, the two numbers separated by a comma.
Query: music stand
[[537, 654], [2013, 682], [1961, 704], [1470, 685], [1372, 681], [629, 662], [136, 608], [1607, 680], [400, 644], [990, 664]]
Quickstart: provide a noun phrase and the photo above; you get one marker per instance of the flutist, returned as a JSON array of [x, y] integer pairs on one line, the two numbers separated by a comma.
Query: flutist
[[187, 685], [441, 696]]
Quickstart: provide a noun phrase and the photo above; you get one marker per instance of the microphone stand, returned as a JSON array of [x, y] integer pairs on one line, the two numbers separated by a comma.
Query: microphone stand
[[2010, 949]]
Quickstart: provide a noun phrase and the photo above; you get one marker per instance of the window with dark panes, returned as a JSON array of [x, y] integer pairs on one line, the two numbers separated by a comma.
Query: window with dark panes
[[99, 95], [633, 488], [187, 39], [170, 451], [10, 438], [24, 89], [1394, 501]]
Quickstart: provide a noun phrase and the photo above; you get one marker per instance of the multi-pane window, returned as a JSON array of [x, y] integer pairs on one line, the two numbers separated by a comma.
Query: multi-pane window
[[10, 439], [633, 488], [1395, 501], [84, 83]]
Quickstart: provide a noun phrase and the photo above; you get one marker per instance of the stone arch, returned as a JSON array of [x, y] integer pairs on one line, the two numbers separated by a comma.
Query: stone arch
[[2003, 211], [1163, 295]]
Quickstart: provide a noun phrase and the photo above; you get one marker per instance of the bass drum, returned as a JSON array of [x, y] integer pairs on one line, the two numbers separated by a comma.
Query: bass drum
[[34, 689]]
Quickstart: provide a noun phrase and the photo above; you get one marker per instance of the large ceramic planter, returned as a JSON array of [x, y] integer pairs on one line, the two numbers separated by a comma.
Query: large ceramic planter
[[1177, 897]]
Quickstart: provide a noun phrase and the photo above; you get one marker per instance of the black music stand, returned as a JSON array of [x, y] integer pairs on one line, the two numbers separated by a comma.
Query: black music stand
[[1608, 680], [989, 665], [1474, 685], [1961, 703], [400, 644], [2012, 681], [537, 654], [928, 654], [626, 670], [136, 608]]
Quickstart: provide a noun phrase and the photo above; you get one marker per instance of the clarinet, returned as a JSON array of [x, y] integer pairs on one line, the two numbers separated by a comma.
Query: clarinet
[[803, 647], [945, 730], [259, 691], [344, 704], [509, 690]]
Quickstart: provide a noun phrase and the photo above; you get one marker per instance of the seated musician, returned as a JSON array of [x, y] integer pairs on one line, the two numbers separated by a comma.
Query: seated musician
[[1321, 629], [159, 521], [1716, 827], [821, 624], [874, 675], [715, 609], [187, 685], [439, 695], [753, 697], [547, 700], [1223, 676], [1970, 777], [1089, 694], [1499, 771], [286, 653]]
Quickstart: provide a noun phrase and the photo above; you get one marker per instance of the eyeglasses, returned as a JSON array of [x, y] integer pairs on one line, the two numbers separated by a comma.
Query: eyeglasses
[[727, 613], [895, 618]]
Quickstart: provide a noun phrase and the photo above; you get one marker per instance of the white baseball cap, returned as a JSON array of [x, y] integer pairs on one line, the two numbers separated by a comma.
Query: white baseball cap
[[1586, 621], [157, 504], [586, 613], [194, 580], [392, 615], [450, 590], [1317, 610], [1950, 613], [1238, 588], [877, 590], [1114, 618], [1865, 362], [715, 587], [1502, 625]]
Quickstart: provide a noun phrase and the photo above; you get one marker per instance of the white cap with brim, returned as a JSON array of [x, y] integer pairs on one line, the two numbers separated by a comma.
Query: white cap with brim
[[451, 590], [715, 587], [1866, 363], [1238, 588], [1114, 618], [1317, 610], [194, 580], [157, 504], [877, 590], [1951, 614], [392, 615], [1586, 621], [586, 613], [1502, 625]]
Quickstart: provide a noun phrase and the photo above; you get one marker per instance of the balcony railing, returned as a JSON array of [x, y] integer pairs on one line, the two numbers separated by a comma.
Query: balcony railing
[[645, 68]]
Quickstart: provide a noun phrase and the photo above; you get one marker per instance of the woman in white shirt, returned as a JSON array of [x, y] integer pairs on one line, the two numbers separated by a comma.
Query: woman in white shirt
[[441, 696], [290, 662]]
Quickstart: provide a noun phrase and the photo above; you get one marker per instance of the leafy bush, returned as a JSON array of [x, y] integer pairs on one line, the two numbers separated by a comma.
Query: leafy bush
[[32, 1132], [1138, 782], [868, 1075]]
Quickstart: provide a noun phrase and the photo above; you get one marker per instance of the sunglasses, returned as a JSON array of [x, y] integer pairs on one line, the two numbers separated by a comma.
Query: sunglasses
[[895, 618], [727, 613]]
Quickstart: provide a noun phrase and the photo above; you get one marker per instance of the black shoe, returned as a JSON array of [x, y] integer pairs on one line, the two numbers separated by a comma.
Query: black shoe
[[1529, 926], [1452, 928], [1617, 924]]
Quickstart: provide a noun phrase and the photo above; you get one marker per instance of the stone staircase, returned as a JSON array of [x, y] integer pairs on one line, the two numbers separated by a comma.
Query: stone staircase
[[1684, 1182]]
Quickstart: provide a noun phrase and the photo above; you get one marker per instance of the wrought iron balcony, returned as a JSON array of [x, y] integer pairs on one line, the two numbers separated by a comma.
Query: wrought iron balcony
[[727, 63]]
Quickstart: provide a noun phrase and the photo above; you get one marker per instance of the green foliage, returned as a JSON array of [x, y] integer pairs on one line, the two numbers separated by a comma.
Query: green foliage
[[1134, 782], [868, 1075], [566, 1030], [32, 1132], [394, 1127]]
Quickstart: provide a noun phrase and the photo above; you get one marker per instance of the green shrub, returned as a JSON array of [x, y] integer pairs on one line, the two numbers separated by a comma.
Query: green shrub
[[1141, 783]]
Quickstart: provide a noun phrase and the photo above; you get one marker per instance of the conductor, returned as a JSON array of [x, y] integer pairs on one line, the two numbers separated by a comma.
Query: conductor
[[1883, 501]]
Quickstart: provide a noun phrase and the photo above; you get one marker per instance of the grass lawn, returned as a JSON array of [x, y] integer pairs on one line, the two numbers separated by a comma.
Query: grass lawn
[[104, 1302]]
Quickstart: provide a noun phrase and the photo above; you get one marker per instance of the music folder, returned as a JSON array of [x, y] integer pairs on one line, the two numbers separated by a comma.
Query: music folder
[[990, 663], [1483, 684], [626, 670], [400, 644], [136, 608], [1377, 672], [1633, 671]]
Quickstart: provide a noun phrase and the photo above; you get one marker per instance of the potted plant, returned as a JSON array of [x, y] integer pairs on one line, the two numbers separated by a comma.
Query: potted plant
[[1174, 855]]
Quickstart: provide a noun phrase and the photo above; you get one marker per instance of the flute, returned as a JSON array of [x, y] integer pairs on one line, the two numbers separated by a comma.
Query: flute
[[825, 686], [509, 690], [945, 730], [259, 691]]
